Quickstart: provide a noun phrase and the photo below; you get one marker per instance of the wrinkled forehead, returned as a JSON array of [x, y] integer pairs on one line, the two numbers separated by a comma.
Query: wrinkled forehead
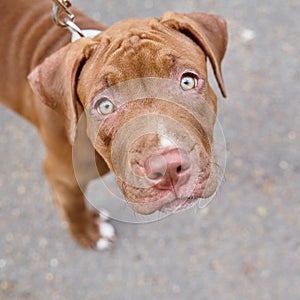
[[147, 49], [156, 43]]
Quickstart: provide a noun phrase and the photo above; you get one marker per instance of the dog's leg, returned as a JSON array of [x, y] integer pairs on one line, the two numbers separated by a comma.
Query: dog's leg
[[86, 226]]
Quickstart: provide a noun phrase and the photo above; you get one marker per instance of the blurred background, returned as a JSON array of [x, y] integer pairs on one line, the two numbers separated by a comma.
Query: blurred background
[[244, 245]]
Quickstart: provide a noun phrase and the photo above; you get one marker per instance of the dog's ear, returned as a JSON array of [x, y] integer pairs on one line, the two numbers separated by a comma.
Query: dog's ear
[[54, 81], [208, 31]]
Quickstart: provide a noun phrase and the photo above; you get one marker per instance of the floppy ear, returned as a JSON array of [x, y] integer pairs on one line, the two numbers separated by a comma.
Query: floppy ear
[[208, 31], [54, 81]]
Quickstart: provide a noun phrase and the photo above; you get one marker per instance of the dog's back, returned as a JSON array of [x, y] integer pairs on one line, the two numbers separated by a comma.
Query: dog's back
[[27, 36]]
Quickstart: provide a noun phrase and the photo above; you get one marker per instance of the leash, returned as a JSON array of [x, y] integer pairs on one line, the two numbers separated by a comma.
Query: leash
[[63, 17]]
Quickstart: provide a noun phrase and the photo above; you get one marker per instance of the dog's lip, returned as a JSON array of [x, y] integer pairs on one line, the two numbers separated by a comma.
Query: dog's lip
[[178, 204], [167, 201]]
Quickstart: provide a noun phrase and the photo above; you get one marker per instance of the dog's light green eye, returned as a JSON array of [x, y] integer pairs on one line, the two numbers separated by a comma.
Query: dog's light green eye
[[105, 106], [188, 82]]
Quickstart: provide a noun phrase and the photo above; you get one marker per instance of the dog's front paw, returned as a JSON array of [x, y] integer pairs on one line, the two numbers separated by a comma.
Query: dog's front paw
[[95, 232], [107, 233]]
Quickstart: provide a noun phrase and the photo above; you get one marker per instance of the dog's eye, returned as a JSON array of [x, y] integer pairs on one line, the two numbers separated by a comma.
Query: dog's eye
[[188, 81], [105, 106]]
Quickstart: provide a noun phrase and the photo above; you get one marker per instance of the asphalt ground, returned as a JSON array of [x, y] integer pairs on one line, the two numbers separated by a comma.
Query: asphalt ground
[[244, 245]]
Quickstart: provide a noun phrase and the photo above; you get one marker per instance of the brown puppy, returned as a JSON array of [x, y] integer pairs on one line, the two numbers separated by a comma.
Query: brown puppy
[[135, 100]]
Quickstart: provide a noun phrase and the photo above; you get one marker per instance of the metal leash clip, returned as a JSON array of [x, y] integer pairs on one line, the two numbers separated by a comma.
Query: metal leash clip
[[63, 17]]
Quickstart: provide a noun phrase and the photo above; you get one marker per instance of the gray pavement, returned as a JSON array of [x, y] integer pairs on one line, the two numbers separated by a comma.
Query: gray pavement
[[245, 245]]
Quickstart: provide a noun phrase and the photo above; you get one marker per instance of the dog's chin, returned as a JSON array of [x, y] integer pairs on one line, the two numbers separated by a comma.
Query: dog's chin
[[178, 205], [168, 204], [148, 201]]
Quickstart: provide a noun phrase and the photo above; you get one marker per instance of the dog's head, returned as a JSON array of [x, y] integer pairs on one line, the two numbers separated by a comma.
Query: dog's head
[[142, 86]]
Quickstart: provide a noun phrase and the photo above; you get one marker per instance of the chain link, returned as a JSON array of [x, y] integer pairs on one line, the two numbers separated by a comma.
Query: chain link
[[63, 17]]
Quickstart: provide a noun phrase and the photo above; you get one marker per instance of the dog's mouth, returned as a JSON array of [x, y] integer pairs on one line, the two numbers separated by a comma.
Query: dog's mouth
[[150, 200], [179, 204], [168, 204]]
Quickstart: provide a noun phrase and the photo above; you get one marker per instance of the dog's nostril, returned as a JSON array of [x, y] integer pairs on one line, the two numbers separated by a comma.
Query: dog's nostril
[[179, 169], [157, 175], [155, 167]]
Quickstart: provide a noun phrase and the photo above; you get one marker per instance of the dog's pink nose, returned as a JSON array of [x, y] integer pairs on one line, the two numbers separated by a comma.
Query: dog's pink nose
[[170, 169]]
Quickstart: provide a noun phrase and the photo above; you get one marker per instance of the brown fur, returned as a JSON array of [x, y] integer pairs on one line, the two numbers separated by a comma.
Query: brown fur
[[66, 77]]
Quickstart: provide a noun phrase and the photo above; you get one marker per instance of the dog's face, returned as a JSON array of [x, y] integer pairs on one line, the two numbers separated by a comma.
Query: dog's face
[[149, 107]]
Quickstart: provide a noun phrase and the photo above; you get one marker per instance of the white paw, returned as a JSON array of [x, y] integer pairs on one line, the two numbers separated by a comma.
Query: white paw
[[108, 235], [107, 231], [103, 244]]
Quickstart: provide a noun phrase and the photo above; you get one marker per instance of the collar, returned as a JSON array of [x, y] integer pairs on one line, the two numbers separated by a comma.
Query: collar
[[85, 32]]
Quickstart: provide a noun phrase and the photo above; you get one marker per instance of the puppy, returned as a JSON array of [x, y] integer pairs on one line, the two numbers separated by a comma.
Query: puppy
[[134, 99]]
